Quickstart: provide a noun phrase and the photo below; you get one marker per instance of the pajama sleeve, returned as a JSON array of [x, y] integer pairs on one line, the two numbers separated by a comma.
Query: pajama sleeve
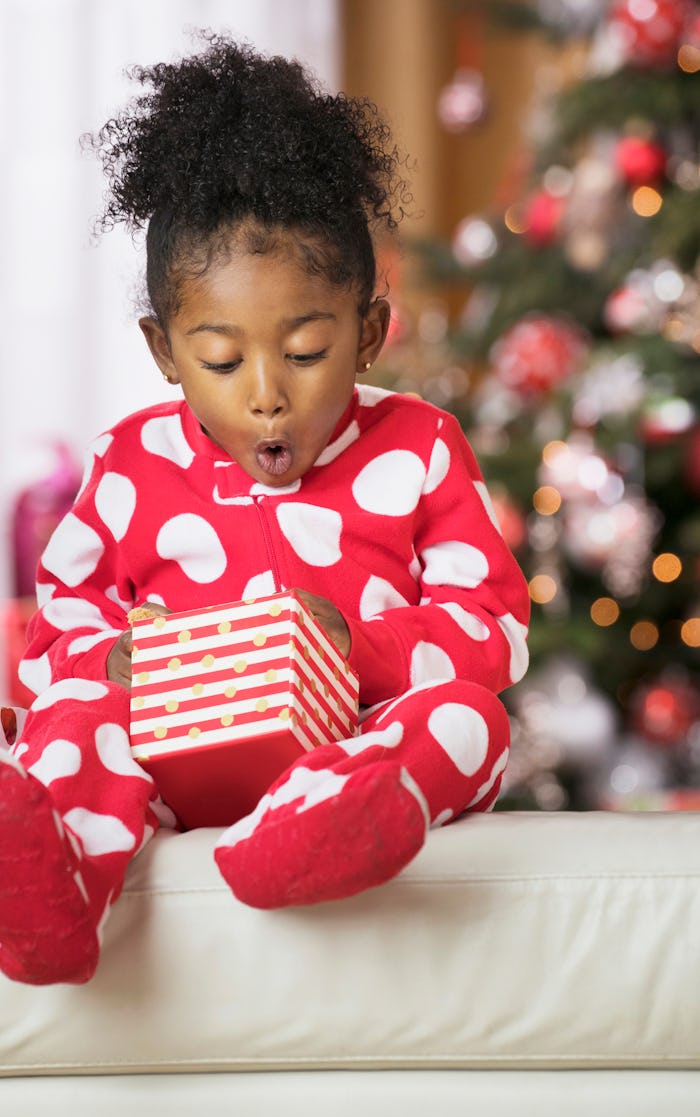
[[80, 613], [472, 619]]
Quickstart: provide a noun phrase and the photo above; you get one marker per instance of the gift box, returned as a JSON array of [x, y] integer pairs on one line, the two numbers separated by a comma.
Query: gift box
[[223, 699]]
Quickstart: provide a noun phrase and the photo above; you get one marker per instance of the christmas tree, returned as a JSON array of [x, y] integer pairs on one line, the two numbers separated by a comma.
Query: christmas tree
[[574, 368]]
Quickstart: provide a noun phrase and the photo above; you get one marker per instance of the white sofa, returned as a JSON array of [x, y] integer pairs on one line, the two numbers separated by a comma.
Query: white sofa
[[523, 964]]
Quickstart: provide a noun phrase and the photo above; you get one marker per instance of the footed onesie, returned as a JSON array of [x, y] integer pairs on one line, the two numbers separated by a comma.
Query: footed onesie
[[393, 525]]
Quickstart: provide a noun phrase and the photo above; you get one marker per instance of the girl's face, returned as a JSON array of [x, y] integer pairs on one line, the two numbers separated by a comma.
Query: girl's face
[[266, 356]]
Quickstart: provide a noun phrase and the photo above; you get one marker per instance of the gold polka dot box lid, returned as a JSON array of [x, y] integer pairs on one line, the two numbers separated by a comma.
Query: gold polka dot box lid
[[223, 699]]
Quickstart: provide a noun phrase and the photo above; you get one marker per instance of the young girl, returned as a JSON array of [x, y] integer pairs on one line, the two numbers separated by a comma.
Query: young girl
[[270, 470]]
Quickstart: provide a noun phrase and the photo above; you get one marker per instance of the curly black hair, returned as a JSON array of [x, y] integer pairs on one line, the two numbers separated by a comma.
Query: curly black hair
[[231, 140]]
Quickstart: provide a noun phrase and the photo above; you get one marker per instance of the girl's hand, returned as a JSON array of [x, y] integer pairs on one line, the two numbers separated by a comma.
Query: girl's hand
[[330, 619], [119, 659]]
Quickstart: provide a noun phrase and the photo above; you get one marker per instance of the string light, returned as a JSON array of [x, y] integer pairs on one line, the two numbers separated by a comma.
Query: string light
[[514, 219], [605, 611], [666, 567], [546, 500], [644, 635], [689, 58], [543, 589], [690, 632], [646, 201]]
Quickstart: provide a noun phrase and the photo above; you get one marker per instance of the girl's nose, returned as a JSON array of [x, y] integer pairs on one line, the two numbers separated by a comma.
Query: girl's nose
[[266, 394]]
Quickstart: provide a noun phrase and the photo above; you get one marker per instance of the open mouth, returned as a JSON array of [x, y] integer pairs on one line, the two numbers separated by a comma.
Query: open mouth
[[274, 456]]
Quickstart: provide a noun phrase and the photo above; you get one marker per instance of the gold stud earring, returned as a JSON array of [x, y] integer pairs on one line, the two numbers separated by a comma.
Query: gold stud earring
[[368, 365], [167, 378]]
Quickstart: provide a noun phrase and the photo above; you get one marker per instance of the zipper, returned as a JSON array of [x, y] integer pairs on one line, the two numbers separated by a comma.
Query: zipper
[[269, 546]]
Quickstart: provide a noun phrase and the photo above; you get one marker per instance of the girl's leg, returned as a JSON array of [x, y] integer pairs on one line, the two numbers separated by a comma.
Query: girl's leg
[[351, 815], [74, 810]]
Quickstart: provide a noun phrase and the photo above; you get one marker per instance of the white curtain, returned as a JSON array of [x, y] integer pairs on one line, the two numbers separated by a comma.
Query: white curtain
[[72, 359]]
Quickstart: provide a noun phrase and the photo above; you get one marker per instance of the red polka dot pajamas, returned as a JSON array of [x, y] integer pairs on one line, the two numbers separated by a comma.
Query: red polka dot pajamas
[[394, 526]]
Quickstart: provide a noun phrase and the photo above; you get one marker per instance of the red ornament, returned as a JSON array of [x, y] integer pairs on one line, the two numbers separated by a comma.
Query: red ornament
[[463, 102], [542, 218], [538, 353], [663, 711], [649, 32], [640, 162]]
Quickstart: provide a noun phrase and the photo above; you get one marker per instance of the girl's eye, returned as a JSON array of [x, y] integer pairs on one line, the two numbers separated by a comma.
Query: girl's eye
[[225, 366], [308, 358]]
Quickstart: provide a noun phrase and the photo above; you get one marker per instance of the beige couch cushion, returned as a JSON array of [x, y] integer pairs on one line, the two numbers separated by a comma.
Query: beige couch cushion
[[513, 940]]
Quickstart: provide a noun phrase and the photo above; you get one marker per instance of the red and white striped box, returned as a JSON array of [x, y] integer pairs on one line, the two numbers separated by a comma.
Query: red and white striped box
[[223, 699]]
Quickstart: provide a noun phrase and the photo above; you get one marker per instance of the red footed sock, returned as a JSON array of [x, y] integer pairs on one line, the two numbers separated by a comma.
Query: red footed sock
[[46, 932], [324, 834]]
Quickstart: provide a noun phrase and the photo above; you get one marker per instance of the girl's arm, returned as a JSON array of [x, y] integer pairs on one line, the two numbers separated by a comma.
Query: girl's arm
[[472, 619]]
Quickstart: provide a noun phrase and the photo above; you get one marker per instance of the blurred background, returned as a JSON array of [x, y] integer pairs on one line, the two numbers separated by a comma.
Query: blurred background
[[545, 288]]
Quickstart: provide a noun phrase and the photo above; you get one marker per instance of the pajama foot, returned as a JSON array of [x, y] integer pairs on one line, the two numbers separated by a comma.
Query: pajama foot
[[46, 932], [324, 835]]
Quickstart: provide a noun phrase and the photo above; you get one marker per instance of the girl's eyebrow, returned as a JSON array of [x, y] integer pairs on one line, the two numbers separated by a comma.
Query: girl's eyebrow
[[229, 330]]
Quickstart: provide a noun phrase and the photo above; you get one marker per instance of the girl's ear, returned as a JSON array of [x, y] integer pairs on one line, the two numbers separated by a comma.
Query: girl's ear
[[375, 325], [158, 344]]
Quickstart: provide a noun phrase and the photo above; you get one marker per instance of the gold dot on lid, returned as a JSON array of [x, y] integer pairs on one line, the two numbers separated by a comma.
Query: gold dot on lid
[[160, 731], [314, 685], [174, 664], [159, 622], [275, 609], [208, 660], [249, 601], [224, 627], [142, 677], [260, 639], [227, 719], [198, 688], [230, 692], [194, 731], [284, 714], [326, 689], [261, 705], [171, 705], [271, 676], [304, 717], [184, 636], [138, 702], [307, 653], [240, 666]]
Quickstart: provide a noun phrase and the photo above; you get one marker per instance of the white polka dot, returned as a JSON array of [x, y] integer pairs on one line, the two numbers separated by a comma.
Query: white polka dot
[[489, 784], [369, 395], [237, 500], [192, 543], [99, 833], [44, 592], [438, 466], [516, 635], [96, 449], [36, 673], [313, 532], [258, 489], [82, 690], [334, 449], [473, 626], [113, 749], [84, 643], [442, 818], [124, 603], [415, 567], [73, 551], [115, 501], [165, 437], [462, 733], [379, 595], [74, 612], [454, 564], [486, 501], [391, 484], [428, 661], [387, 738], [260, 585], [59, 759]]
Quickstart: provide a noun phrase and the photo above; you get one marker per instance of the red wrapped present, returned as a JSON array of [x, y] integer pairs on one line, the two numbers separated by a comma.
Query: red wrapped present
[[223, 699]]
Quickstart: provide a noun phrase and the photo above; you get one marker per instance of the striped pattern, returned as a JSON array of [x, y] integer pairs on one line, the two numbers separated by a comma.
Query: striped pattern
[[236, 673]]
